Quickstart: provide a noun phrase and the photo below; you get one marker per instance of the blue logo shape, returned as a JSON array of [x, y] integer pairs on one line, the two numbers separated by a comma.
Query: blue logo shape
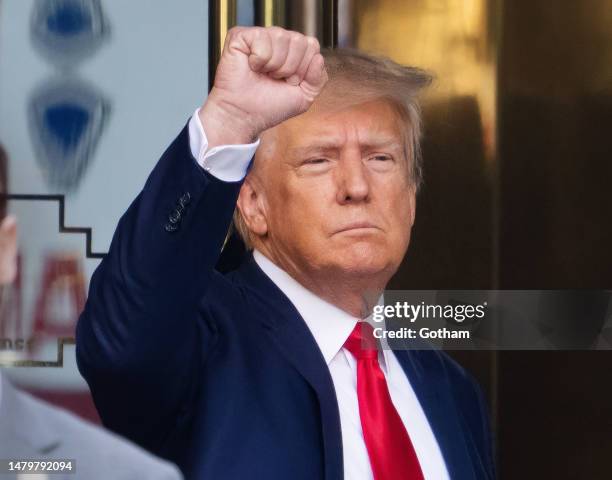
[[67, 31], [66, 119]]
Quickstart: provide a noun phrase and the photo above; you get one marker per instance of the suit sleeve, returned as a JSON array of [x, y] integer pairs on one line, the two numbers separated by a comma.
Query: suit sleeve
[[141, 341]]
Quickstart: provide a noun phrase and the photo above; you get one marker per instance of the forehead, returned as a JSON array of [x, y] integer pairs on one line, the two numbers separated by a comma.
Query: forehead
[[373, 123]]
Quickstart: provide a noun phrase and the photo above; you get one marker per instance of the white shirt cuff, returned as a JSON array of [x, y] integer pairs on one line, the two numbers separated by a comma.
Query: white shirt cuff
[[226, 162]]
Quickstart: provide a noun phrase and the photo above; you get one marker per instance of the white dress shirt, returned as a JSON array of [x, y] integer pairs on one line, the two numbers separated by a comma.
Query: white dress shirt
[[330, 327]]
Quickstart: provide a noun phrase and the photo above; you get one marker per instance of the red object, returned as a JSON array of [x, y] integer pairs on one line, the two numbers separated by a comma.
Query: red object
[[62, 276], [390, 450]]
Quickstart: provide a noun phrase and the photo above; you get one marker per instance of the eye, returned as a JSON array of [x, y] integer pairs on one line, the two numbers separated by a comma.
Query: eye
[[382, 162], [382, 157], [315, 161], [315, 166]]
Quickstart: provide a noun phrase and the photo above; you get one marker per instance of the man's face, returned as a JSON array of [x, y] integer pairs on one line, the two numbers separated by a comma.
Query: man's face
[[335, 192]]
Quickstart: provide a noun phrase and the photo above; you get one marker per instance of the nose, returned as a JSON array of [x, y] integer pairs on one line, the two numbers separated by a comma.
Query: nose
[[353, 180]]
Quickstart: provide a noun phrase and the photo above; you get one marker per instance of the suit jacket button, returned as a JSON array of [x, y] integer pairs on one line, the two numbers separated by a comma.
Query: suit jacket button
[[185, 199], [170, 227], [175, 216]]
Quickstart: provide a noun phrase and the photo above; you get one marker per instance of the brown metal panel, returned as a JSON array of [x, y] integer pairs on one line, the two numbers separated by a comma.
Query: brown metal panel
[[221, 17], [555, 104]]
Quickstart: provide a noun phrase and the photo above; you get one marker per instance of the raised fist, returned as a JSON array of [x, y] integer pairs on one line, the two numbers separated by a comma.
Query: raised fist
[[264, 77]]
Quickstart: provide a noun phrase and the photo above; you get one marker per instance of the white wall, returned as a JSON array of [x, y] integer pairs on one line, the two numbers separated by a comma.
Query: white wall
[[153, 70]]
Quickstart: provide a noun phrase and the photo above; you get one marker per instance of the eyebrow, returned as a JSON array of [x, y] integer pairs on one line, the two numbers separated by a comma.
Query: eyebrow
[[319, 146]]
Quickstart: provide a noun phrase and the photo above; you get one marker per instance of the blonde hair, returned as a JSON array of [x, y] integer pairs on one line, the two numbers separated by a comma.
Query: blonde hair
[[356, 77]]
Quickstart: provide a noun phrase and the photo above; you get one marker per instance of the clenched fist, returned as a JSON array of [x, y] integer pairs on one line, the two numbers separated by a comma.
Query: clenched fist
[[264, 77]]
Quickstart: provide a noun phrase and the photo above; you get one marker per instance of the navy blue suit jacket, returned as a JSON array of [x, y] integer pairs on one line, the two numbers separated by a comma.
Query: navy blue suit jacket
[[219, 373]]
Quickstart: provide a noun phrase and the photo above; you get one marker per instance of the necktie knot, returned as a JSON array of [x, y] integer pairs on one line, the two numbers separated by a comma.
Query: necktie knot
[[361, 342]]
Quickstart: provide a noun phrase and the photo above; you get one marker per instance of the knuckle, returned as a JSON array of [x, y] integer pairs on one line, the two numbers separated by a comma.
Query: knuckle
[[296, 36], [258, 30], [277, 32], [313, 42]]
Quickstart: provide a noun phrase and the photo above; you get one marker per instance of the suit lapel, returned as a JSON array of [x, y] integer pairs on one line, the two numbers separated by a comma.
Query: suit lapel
[[288, 330], [301, 350], [435, 396]]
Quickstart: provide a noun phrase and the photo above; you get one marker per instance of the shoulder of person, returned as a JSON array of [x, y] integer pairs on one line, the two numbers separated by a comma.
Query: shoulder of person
[[99, 453]]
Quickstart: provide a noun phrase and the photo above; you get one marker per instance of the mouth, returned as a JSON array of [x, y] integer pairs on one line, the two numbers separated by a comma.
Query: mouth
[[357, 227]]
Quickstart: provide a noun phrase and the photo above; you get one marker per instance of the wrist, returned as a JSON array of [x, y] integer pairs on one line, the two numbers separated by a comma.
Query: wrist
[[224, 124]]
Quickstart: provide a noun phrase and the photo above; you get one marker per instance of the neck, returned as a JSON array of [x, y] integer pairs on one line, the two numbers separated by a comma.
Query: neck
[[353, 292], [355, 299]]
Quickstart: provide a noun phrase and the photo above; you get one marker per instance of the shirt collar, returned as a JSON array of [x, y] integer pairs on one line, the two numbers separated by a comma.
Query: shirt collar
[[330, 326]]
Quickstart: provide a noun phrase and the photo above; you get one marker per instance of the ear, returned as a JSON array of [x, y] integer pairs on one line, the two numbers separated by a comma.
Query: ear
[[251, 205], [412, 208], [8, 250]]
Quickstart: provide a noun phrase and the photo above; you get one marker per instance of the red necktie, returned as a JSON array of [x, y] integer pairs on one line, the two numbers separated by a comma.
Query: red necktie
[[391, 453]]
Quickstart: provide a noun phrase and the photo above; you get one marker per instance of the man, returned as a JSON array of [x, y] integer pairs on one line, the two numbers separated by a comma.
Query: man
[[261, 373], [33, 430]]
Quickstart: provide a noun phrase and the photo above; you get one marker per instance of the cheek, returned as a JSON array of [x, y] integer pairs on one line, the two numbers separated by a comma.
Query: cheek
[[399, 206], [298, 213]]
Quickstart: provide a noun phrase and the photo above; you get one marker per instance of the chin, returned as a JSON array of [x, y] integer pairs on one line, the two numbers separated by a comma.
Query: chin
[[363, 258]]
